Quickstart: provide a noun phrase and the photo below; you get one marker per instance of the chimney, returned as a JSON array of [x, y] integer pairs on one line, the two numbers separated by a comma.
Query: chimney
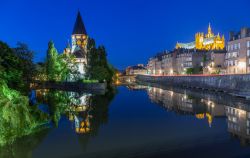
[[231, 35], [243, 32]]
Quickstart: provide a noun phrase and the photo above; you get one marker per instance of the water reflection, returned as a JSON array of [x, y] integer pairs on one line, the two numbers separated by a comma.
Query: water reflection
[[85, 112], [207, 105], [24, 146], [194, 119]]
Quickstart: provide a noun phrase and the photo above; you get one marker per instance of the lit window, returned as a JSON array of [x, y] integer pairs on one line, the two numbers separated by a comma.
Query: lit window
[[235, 46]]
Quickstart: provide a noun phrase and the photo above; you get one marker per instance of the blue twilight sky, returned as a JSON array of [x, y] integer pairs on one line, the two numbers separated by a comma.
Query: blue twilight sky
[[131, 30]]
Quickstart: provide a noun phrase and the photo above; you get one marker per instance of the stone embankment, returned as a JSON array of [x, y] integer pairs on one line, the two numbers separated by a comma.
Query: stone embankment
[[237, 85], [93, 88]]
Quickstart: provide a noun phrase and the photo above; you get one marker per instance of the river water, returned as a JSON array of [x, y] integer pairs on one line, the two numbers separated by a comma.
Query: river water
[[138, 121]]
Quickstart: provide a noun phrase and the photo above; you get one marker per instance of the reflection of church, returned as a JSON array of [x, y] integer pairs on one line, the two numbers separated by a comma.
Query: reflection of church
[[79, 112], [78, 47]]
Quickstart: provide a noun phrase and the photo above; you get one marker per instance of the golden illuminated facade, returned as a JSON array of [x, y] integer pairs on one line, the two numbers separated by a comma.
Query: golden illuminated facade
[[205, 42], [79, 41]]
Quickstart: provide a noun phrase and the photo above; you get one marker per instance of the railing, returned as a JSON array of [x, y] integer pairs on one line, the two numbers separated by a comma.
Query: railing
[[201, 75]]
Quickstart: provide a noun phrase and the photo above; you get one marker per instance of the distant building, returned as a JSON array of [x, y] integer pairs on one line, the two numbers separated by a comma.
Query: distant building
[[136, 70], [78, 47], [151, 66], [189, 59], [237, 59], [214, 62], [169, 63], [155, 65], [205, 42]]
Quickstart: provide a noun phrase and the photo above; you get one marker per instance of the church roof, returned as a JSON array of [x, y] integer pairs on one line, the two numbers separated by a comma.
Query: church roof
[[79, 27]]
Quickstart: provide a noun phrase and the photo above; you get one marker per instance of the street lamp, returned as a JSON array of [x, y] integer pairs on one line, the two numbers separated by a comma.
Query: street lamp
[[242, 65]]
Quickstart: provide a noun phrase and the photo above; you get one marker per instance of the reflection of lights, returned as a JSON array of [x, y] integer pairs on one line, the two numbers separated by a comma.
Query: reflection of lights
[[160, 90], [200, 116], [117, 82], [185, 97], [241, 113], [210, 103], [171, 93]]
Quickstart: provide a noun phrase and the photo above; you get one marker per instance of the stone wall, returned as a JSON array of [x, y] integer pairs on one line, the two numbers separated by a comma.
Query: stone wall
[[94, 88], [238, 85]]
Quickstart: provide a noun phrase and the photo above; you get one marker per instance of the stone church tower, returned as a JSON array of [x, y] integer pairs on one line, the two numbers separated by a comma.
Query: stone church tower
[[79, 40]]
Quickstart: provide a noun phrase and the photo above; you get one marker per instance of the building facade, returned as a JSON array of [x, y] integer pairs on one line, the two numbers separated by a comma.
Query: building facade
[[214, 62], [136, 70], [155, 65], [237, 59], [189, 59], [169, 63]]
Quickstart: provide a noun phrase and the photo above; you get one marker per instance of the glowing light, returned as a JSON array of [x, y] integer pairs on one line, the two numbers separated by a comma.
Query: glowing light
[[241, 64], [171, 71], [160, 71]]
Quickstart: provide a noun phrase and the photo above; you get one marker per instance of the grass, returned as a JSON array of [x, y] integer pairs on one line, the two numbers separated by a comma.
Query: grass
[[90, 81]]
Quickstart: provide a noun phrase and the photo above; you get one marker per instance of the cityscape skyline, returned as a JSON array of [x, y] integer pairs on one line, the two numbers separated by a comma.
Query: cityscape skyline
[[136, 31]]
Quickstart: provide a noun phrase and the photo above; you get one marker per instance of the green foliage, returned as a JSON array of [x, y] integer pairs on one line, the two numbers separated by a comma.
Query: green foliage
[[189, 71], [90, 81], [98, 67], [16, 66], [17, 118], [60, 67], [25, 55], [9, 66], [204, 59], [196, 70]]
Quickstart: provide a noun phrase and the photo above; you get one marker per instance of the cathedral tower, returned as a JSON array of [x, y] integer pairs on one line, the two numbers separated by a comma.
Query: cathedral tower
[[79, 35]]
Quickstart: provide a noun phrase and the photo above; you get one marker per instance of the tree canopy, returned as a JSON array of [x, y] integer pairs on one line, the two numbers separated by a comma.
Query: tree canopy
[[98, 67]]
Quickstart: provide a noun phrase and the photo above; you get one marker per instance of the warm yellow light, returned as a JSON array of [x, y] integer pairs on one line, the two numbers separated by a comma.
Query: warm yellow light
[[160, 71], [171, 71], [241, 64]]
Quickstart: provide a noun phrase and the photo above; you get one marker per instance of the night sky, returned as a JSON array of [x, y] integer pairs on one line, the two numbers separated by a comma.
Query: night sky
[[131, 30]]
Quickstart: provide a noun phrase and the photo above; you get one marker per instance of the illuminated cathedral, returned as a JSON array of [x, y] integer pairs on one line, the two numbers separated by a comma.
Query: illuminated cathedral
[[205, 42], [78, 46]]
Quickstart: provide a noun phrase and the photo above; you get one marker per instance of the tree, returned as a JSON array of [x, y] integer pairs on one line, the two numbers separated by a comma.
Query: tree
[[52, 64], [9, 65], [60, 67], [98, 67], [26, 64]]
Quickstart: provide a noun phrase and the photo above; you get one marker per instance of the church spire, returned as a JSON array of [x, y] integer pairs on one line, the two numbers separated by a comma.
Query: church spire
[[209, 29], [79, 27]]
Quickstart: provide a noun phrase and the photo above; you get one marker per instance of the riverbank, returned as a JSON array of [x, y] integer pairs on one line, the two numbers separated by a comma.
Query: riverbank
[[93, 88], [236, 85]]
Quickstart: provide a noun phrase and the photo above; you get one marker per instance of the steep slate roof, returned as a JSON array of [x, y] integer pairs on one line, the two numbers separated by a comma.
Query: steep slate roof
[[79, 27]]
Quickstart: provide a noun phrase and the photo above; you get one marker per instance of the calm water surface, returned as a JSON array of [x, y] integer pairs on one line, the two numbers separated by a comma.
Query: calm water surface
[[139, 122]]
